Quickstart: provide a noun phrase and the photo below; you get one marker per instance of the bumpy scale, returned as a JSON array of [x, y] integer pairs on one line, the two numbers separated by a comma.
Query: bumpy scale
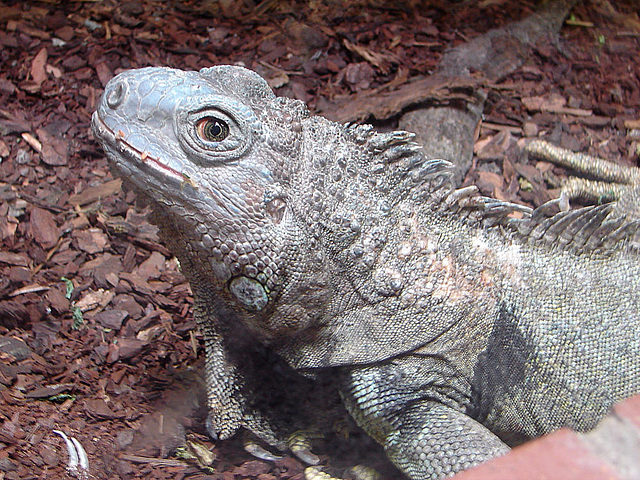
[[457, 324]]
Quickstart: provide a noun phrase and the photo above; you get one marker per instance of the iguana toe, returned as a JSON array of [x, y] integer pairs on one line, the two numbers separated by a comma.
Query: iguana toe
[[300, 445]]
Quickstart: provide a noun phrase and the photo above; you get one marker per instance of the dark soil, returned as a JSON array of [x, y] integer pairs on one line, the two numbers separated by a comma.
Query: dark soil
[[96, 334]]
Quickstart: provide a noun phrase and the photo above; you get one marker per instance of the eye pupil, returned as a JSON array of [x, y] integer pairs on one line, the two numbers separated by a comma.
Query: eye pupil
[[213, 129]]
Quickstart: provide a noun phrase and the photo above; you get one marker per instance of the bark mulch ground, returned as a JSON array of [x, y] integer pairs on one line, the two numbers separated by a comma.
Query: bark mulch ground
[[96, 334]]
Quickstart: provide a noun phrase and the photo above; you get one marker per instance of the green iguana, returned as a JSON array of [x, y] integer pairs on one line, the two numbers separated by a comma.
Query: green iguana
[[457, 324]]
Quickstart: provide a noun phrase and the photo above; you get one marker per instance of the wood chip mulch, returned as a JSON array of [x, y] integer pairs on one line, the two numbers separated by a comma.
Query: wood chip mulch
[[96, 334]]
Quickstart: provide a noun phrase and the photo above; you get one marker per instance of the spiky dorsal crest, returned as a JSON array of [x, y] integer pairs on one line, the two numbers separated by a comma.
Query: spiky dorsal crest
[[594, 229], [398, 167]]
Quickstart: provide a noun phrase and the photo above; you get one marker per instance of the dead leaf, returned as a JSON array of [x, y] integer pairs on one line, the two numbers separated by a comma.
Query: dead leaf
[[93, 299], [38, 74], [55, 150]]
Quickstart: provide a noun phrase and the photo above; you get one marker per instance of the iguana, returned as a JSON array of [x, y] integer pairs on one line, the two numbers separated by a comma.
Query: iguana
[[456, 324]]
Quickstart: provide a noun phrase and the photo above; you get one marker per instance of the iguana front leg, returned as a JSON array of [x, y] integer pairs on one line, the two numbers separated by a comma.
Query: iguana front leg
[[417, 421], [434, 441], [229, 407], [229, 379], [224, 389]]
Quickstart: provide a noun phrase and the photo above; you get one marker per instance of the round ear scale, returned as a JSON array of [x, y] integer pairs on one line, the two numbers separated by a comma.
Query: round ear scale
[[240, 82]]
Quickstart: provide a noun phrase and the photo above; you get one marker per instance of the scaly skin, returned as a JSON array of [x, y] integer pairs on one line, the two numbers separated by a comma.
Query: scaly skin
[[453, 326]]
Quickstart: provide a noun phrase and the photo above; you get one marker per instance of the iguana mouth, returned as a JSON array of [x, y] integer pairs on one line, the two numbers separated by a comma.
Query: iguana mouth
[[131, 156]]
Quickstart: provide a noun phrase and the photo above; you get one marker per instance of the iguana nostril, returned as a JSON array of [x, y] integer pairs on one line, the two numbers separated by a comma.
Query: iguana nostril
[[117, 95]]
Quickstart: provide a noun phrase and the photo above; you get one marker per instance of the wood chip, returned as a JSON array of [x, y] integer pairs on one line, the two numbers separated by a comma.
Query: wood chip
[[92, 194], [55, 150], [31, 140], [43, 227], [29, 289]]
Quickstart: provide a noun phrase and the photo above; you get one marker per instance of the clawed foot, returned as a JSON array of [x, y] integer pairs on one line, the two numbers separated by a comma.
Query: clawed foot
[[251, 445], [299, 443]]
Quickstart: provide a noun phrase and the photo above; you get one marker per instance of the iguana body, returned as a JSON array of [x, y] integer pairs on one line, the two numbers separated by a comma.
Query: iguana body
[[450, 318]]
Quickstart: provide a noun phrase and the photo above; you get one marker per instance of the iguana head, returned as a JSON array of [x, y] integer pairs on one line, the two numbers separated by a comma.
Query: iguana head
[[215, 152], [304, 230]]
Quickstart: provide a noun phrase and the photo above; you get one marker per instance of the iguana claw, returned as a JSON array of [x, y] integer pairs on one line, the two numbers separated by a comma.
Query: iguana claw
[[78, 465], [255, 449]]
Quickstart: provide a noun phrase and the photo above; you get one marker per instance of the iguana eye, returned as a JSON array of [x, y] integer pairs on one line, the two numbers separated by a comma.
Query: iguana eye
[[214, 128], [211, 129]]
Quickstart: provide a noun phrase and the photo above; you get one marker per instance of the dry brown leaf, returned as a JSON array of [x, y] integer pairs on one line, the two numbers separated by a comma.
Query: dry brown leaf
[[93, 299], [55, 150], [38, 74], [92, 194]]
